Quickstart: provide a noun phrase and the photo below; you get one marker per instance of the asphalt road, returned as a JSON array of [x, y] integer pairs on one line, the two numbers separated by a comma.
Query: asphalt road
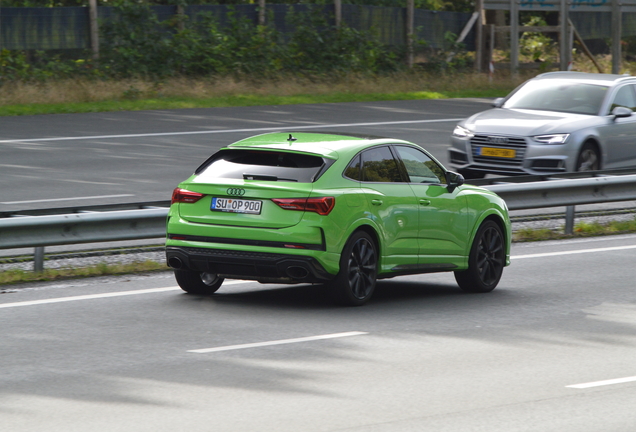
[[551, 349], [67, 160], [135, 354]]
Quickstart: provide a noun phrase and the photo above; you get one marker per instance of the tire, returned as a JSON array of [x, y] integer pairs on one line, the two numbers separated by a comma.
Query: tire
[[486, 260], [471, 174], [588, 159], [356, 279], [199, 283]]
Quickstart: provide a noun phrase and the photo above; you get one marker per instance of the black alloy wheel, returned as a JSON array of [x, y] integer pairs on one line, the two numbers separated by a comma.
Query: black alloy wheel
[[486, 260], [356, 279], [199, 283]]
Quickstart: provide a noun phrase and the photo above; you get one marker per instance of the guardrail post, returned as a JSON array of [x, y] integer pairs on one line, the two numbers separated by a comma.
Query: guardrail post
[[38, 259], [569, 220]]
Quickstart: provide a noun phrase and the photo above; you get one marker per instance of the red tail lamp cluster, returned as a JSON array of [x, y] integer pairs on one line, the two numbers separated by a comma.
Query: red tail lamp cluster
[[185, 196], [322, 206]]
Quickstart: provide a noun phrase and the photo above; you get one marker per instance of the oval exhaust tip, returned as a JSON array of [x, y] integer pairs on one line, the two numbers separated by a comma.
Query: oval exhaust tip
[[298, 273], [175, 263]]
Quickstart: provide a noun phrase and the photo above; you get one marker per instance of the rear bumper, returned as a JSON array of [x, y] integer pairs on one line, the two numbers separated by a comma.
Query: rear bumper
[[261, 266]]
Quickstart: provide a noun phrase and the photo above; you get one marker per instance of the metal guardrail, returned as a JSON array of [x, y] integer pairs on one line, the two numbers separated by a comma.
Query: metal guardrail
[[87, 225], [21, 231], [84, 209], [568, 192], [55, 230]]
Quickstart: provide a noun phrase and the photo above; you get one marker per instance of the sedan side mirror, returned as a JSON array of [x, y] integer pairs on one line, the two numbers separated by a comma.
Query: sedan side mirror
[[454, 179], [497, 103], [621, 112]]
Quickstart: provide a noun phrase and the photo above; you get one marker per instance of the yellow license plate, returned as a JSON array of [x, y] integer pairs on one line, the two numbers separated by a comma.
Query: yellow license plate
[[497, 152]]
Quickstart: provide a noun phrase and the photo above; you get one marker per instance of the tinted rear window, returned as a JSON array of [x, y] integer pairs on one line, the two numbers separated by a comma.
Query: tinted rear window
[[262, 165]]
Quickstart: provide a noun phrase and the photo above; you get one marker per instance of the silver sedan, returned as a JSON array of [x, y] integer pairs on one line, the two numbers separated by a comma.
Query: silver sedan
[[555, 122]]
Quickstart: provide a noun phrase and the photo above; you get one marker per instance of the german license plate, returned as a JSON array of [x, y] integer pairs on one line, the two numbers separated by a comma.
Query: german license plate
[[235, 205], [497, 152]]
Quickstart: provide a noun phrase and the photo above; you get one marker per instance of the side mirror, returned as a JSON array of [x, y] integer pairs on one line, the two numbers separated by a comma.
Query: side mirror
[[621, 112], [497, 103], [454, 179]]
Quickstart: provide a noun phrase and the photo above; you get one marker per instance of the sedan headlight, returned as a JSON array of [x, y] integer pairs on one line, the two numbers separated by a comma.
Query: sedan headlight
[[462, 132], [552, 139]]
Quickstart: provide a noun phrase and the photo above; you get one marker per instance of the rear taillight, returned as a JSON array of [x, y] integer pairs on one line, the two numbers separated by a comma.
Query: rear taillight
[[185, 196], [322, 206]]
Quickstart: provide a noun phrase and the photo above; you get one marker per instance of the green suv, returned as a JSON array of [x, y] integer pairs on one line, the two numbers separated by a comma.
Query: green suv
[[338, 210]]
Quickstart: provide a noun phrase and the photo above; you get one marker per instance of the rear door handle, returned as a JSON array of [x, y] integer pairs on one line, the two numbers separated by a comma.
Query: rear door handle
[[424, 202], [376, 202]]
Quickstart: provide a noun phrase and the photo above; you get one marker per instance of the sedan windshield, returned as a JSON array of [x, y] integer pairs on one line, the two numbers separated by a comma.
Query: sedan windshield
[[562, 96]]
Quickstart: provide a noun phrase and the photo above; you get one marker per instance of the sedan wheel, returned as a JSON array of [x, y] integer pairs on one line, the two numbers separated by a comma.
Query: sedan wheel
[[486, 260], [355, 282], [588, 159], [200, 283]]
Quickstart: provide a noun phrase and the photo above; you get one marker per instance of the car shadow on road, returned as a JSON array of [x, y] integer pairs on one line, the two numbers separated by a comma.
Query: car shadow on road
[[320, 296]]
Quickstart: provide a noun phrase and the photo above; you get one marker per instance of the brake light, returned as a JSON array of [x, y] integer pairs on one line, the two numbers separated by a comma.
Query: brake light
[[185, 196], [322, 206]]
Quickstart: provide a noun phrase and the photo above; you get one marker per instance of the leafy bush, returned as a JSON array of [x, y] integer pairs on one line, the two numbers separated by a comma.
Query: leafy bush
[[316, 47], [134, 39], [13, 65], [453, 58], [137, 44], [538, 47], [134, 43], [38, 66]]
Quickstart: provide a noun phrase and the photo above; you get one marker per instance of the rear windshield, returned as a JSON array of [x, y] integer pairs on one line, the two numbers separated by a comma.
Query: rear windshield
[[263, 165]]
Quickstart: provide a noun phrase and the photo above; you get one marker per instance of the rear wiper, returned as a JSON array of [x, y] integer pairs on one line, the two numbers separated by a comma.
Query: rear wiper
[[266, 177]]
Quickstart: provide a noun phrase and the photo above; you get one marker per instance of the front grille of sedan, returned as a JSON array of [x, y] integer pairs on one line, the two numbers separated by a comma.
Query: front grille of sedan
[[518, 144]]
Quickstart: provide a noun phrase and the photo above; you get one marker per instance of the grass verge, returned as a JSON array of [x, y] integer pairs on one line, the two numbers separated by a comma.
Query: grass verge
[[166, 103], [14, 276], [84, 96], [581, 229]]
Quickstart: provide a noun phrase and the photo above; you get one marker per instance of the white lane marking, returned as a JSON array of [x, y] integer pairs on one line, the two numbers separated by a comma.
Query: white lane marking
[[85, 297], [67, 199], [549, 254], [103, 295], [268, 129], [603, 383], [277, 342]]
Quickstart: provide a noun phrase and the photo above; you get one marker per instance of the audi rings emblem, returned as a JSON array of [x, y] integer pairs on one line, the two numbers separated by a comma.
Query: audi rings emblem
[[236, 191], [498, 139]]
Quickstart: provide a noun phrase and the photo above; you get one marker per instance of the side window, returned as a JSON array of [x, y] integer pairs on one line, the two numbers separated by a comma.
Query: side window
[[625, 98], [353, 170], [378, 165], [420, 167]]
